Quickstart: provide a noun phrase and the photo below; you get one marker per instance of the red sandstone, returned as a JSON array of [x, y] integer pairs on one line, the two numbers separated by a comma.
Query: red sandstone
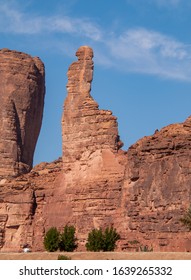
[[142, 192]]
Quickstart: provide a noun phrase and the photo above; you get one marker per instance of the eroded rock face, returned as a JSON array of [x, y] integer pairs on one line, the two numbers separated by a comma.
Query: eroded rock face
[[157, 188], [143, 192], [23, 207], [22, 89]]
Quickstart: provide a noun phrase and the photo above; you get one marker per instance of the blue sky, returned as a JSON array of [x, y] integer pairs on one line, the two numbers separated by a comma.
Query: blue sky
[[142, 59]]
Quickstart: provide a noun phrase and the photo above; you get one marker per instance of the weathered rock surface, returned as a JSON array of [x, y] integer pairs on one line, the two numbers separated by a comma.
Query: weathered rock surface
[[22, 90], [157, 188], [142, 192], [23, 206]]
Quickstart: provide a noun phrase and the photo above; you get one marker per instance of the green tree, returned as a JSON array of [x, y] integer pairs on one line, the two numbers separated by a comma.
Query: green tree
[[186, 219], [67, 239], [95, 240], [110, 238], [51, 240], [102, 241]]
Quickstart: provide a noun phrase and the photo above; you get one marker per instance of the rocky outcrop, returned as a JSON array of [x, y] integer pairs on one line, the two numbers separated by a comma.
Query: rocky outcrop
[[23, 207], [143, 192], [157, 188], [22, 90]]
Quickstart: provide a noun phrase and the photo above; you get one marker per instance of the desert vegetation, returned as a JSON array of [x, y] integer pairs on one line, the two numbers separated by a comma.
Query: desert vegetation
[[98, 239], [64, 241], [102, 241]]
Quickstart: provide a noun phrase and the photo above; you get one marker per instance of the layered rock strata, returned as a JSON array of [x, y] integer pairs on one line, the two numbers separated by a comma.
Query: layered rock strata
[[22, 90], [157, 188], [143, 192], [23, 207]]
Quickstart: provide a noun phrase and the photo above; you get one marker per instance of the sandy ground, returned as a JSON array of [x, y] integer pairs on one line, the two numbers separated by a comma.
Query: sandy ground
[[98, 256]]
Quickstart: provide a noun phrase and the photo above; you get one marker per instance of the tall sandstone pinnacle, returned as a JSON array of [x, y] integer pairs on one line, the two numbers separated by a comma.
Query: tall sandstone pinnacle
[[22, 89], [92, 163], [86, 129]]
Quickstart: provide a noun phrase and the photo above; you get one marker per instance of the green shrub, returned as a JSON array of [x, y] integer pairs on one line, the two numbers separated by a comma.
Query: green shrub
[[186, 220], [110, 238], [67, 239], [95, 240], [63, 257], [51, 240], [102, 241]]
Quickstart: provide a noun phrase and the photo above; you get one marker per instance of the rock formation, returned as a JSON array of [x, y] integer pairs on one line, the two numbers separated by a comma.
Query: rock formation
[[23, 207], [89, 128], [93, 166], [143, 192], [22, 90], [157, 188]]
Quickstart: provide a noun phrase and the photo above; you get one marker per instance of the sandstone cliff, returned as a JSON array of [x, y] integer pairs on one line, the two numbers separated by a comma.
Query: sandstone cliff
[[22, 90], [157, 188], [142, 192]]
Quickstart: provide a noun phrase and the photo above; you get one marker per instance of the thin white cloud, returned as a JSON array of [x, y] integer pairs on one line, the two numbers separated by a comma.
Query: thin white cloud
[[77, 26], [136, 50], [140, 41], [16, 22], [142, 50]]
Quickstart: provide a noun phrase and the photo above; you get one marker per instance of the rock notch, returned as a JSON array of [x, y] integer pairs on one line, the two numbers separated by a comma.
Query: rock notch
[[22, 91]]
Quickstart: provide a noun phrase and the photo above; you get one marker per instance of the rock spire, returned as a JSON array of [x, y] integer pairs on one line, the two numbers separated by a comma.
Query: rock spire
[[85, 128]]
